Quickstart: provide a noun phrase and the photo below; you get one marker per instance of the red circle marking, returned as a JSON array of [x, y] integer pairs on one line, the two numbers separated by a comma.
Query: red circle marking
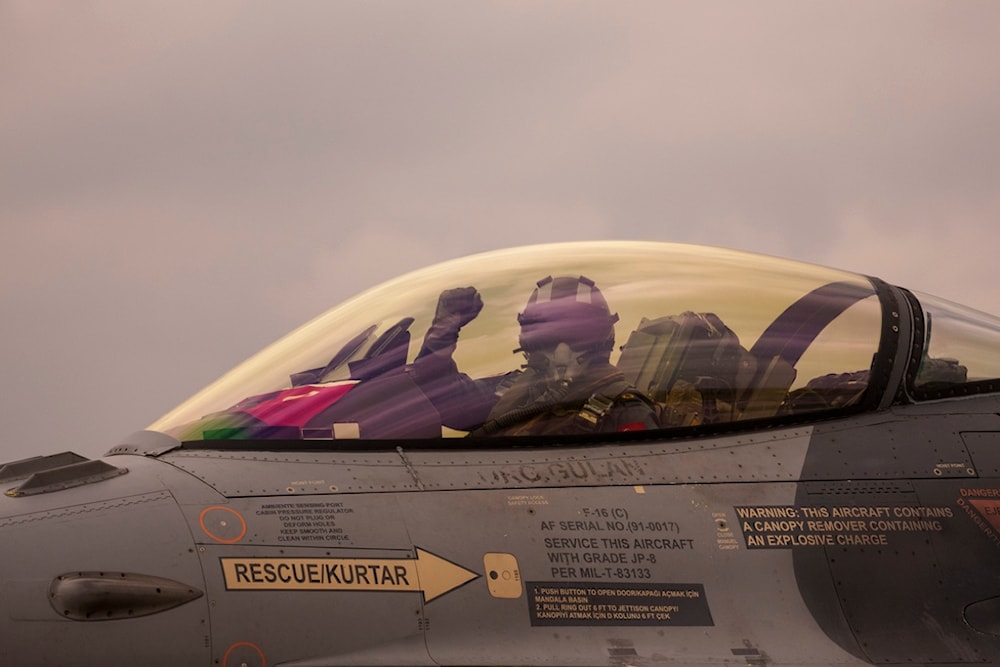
[[225, 657], [223, 540]]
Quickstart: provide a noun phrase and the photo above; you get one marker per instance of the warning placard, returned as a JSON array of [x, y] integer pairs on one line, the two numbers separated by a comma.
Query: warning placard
[[787, 526], [563, 604]]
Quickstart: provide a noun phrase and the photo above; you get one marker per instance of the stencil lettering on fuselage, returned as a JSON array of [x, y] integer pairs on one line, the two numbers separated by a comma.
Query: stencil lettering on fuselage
[[787, 526], [590, 604]]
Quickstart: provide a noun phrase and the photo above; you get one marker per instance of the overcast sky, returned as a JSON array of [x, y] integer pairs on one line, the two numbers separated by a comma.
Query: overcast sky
[[181, 183]]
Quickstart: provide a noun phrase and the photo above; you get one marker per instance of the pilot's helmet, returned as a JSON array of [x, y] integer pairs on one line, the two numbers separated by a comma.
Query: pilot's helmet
[[567, 310]]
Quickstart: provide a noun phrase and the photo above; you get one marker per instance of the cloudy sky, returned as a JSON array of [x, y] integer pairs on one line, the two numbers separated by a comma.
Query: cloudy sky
[[181, 183]]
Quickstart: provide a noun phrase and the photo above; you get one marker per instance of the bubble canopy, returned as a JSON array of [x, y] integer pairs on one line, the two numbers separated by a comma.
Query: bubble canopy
[[702, 335]]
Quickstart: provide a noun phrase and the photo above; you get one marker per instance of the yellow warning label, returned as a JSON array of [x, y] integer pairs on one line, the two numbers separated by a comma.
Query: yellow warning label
[[427, 573]]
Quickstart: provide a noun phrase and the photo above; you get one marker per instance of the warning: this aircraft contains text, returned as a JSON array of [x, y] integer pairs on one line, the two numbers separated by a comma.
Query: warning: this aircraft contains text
[[787, 526]]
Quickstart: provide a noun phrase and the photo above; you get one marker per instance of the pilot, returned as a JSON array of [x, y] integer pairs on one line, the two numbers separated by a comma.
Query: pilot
[[566, 386]]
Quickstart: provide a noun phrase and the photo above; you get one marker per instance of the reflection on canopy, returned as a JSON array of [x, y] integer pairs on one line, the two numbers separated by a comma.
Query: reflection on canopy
[[703, 336], [959, 348]]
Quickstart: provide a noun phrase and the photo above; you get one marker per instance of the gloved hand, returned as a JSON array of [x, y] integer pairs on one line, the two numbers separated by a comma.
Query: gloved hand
[[455, 308]]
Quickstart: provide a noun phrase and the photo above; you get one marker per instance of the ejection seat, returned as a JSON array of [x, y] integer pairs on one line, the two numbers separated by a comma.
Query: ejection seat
[[695, 369], [691, 365]]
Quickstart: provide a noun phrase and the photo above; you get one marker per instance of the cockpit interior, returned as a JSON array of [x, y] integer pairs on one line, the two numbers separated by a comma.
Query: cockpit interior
[[704, 337]]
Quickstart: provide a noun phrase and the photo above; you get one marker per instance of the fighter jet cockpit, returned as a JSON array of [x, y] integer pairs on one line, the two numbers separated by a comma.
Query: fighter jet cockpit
[[574, 339]]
